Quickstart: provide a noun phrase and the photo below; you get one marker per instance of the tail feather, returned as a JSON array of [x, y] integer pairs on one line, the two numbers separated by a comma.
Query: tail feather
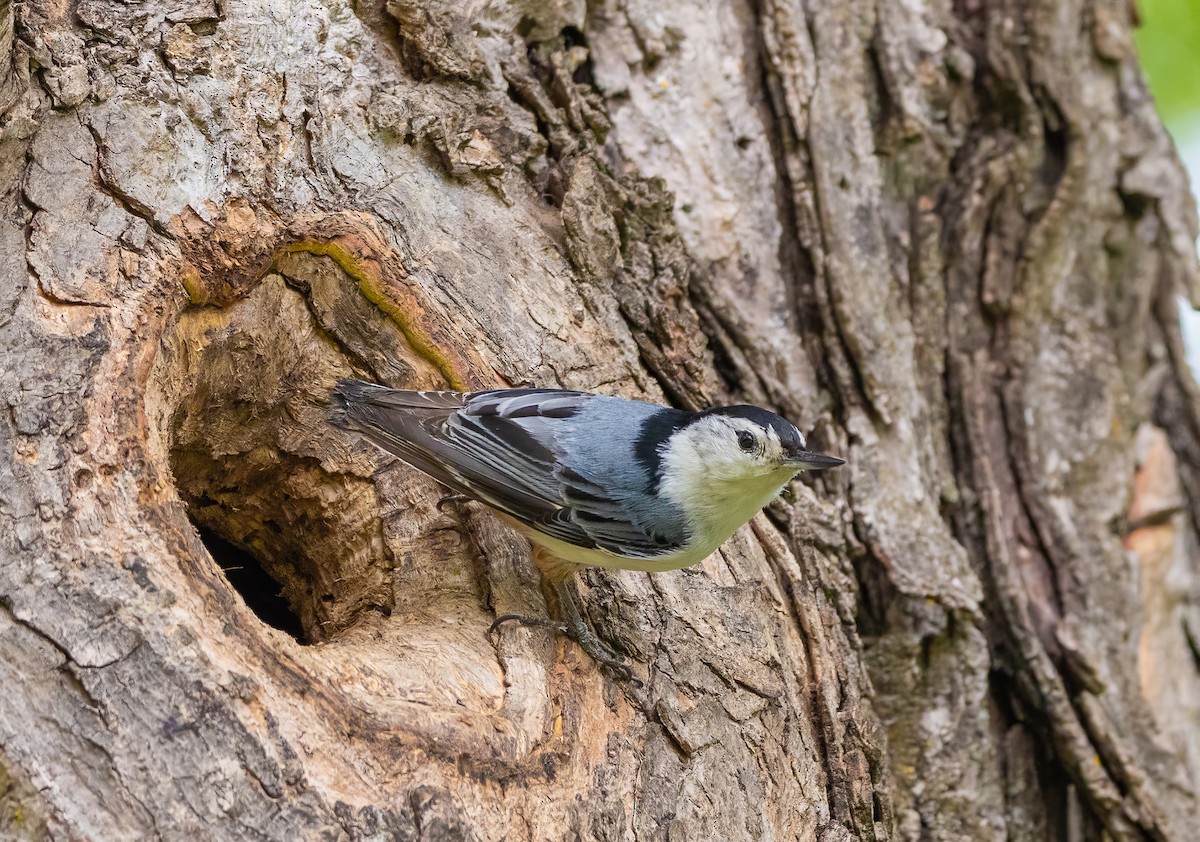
[[355, 402], [403, 423]]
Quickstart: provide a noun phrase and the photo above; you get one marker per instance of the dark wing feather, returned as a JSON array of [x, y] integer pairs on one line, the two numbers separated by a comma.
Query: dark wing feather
[[498, 447]]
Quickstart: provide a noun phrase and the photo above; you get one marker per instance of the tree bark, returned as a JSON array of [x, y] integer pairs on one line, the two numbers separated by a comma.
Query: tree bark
[[946, 238]]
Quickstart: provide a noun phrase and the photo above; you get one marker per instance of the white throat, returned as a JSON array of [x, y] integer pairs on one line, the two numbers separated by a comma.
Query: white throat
[[715, 496]]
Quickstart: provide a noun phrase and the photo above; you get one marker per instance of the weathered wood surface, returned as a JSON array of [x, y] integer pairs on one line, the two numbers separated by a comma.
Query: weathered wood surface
[[945, 238]]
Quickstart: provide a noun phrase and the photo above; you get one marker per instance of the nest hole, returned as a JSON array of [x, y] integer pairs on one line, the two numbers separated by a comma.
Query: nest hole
[[258, 589], [242, 395]]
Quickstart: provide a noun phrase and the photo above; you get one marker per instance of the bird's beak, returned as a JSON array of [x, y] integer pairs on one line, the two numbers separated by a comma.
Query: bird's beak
[[806, 461]]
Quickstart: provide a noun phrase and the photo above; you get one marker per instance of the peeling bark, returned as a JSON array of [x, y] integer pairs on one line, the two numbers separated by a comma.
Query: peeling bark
[[945, 238]]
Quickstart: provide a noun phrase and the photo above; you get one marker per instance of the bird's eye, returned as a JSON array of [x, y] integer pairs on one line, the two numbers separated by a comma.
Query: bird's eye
[[746, 441]]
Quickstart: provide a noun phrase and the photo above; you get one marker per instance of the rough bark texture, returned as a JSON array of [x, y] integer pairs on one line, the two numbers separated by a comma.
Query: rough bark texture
[[946, 237]]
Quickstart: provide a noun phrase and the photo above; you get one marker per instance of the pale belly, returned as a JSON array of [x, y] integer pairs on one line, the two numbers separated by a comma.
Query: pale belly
[[723, 520], [603, 558]]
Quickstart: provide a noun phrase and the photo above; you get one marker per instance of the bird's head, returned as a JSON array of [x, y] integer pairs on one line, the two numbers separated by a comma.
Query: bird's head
[[735, 443]]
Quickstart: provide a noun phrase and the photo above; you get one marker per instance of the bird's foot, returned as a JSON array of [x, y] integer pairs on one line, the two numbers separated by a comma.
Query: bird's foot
[[523, 620], [450, 498], [599, 651], [579, 632]]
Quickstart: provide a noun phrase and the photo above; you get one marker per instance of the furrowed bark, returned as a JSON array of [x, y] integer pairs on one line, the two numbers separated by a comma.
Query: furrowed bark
[[945, 238]]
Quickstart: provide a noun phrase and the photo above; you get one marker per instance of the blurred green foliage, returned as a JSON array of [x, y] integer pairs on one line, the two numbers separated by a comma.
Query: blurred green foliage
[[1169, 45]]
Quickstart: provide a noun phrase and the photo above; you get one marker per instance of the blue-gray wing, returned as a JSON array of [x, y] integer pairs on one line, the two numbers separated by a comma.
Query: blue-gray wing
[[503, 447]]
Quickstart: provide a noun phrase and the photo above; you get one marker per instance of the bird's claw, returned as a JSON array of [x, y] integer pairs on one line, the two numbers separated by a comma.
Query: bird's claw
[[598, 651], [521, 619], [623, 673], [450, 498], [592, 646]]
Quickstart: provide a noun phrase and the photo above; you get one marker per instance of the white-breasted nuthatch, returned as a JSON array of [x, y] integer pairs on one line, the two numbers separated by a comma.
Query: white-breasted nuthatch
[[589, 479]]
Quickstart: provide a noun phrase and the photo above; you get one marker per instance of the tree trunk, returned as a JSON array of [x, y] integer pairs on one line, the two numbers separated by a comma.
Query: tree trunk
[[946, 238]]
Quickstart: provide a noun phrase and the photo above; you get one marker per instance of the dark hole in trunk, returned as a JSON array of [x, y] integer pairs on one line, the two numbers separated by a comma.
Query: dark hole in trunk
[[243, 396], [260, 592]]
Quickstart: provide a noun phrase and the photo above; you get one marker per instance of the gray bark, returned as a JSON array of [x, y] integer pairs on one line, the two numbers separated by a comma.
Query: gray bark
[[946, 238]]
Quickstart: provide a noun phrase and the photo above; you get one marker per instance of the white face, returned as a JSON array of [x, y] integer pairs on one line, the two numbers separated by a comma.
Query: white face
[[731, 448], [720, 470]]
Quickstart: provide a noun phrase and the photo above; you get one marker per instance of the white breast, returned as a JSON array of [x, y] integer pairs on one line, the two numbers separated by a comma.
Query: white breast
[[718, 507], [717, 496]]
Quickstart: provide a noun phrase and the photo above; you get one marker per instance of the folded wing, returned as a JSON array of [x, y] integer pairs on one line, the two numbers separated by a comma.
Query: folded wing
[[501, 447]]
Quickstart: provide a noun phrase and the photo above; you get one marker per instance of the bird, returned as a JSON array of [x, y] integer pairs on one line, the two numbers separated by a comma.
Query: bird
[[588, 479]]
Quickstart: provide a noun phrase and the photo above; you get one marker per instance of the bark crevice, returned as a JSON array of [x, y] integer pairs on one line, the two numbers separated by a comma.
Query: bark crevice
[[944, 239]]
